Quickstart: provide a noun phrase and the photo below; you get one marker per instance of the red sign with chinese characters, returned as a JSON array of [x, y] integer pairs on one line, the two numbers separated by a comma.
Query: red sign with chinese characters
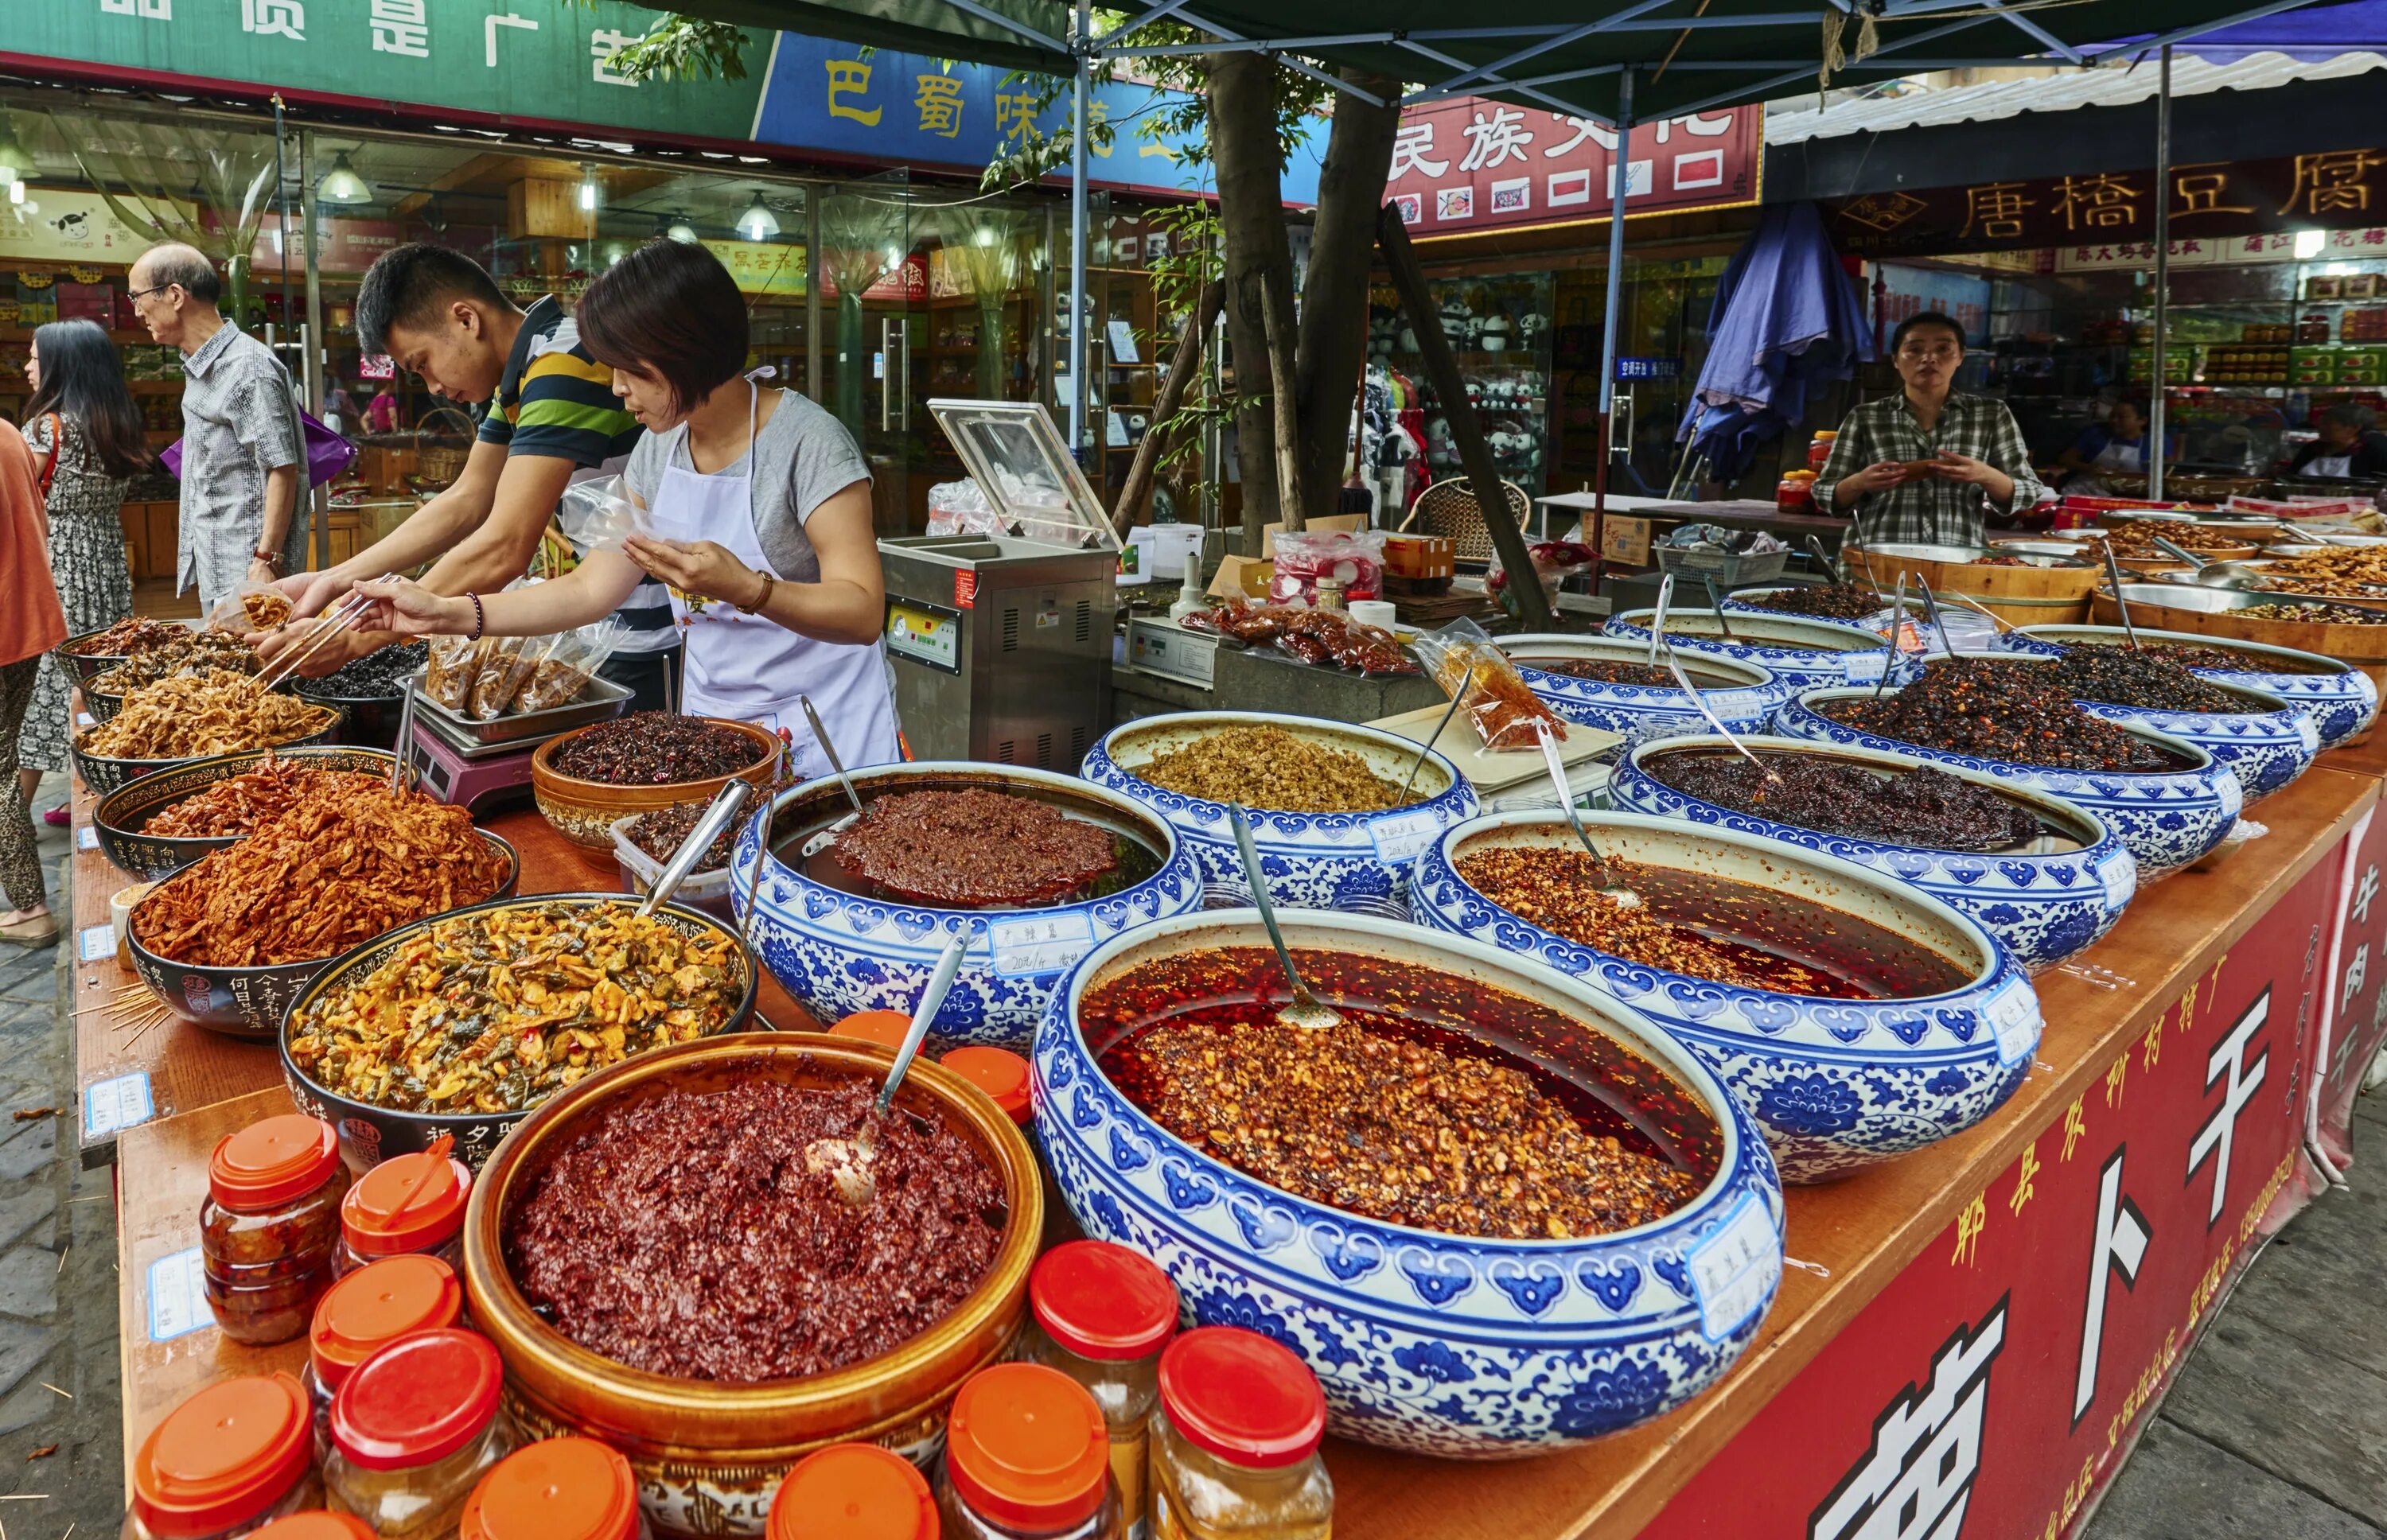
[[1468, 164]]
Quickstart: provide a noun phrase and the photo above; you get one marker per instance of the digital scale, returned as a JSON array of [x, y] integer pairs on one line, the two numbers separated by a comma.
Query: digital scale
[[485, 767]]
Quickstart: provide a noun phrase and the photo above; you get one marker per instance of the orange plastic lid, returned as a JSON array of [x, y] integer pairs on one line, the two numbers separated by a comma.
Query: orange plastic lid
[[852, 1492], [421, 1398], [376, 1306], [997, 1071], [407, 1202], [224, 1457], [1026, 1447], [881, 1027], [316, 1524], [271, 1162], [1103, 1301], [556, 1489]]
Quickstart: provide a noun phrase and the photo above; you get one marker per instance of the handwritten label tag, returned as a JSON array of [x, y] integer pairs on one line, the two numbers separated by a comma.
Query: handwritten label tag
[[1734, 1267], [87, 838], [97, 941], [1039, 945], [112, 1106], [82, 719], [2013, 1016], [1864, 668], [1404, 837], [178, 1300], [2120, 876]]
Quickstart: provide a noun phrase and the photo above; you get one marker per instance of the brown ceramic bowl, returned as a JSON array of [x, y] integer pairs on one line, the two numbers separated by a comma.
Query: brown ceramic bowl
[[701, 1446], [585, 812]]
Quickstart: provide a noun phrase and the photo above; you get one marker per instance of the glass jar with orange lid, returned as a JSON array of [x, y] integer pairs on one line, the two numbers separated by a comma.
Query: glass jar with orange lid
[[852, 1492], [1103, 1313], [270, 1224], [413, 1429], [1234, 1450], [1819, 449], [365, 1312], [316, 1524], [228, 1462], [1027, 1457], [1795, 493], [409, 1203], [557, 1489]]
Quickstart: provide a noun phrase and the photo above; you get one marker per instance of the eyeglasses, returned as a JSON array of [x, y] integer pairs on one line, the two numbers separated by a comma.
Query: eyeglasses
[[1939, 354], [137, 296]]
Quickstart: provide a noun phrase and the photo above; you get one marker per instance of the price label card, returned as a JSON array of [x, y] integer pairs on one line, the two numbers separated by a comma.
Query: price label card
[[82, 719], [112, 1106], [97, 941], [178, 1301], [1403, 837], [87, 838], [1734, 1267], [2120, 876], [1039, 945], [2013, 1016], [1865, 667]]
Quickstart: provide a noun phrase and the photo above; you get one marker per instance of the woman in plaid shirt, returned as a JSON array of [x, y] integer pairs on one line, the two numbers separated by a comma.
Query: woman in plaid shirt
[[1920, 467]]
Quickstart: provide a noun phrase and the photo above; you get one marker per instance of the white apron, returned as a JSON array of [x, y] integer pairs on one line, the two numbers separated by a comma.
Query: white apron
[[751, 668], [2119, 456]]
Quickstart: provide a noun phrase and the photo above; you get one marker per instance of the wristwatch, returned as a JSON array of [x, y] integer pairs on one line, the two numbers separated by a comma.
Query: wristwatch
[[271, 558]]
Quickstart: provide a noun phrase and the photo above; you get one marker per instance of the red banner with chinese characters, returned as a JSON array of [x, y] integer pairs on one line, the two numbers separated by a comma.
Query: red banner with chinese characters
[[2332, 189], [2353, 1022], [1997, 1385], [1466, 164]]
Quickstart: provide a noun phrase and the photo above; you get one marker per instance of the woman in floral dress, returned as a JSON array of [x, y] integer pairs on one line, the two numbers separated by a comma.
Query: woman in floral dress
[[84, 430]]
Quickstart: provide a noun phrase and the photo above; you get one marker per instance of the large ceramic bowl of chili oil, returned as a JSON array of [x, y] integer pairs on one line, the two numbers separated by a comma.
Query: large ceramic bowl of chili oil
[[1593, 1243], [2342, 700], [2169, 800], [690, 1258], [1802, 652], [1855, 1018], [1609, 682], [1035, 868], [2042, 875], [1330, 817]]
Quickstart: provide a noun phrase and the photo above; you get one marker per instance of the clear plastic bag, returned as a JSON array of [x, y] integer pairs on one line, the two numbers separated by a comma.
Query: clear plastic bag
[[598, 515], [250, 609], [449, 672], [1554, 563], [960, 508], [1303, 556], [564, 671], [504, 671], [1505, 715]]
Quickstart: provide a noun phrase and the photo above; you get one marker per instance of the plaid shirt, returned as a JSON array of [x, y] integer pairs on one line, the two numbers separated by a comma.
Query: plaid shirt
[[1928, 513]]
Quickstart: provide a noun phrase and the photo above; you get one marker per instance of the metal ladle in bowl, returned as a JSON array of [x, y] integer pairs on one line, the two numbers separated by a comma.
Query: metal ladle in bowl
[[823, 838], [1715, 602], [2121, 603], [2208, 574], [1714, 721], [1658, 617], [1305, 1011], [1426, 750], [851, 1163], [1606, 885], [1897, 625]]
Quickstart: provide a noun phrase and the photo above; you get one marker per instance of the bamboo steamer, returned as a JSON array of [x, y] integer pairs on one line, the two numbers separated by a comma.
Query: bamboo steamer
[[2363, 648], [2053, 595]]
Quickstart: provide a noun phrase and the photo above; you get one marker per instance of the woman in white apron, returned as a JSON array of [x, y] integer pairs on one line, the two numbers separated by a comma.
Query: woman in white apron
[[2116, 448], [757, 513]]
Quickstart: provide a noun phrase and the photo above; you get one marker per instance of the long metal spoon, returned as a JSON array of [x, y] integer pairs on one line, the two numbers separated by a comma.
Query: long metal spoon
[[1897, 628], [1714, 720], [2210, 574], [823, 838], [1606, 886], [2121, 604], [1931, 613], [851, 1163], [1465, 683], [405, 732], [1305, 1011], [718, 815], [1715, 602], [1658, 617], [1831, 568]]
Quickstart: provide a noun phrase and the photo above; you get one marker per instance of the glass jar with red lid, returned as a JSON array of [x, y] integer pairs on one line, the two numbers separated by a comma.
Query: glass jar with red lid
[[228, 1462], [999, 1072], [365, 1312], [270, 1224], [854, 1492], [556, 1489], [1234, 1451], [409, 1203], [1795, 493], [414, 1428], [1819, 449], [317, 1525], [1103, 1313], [1027, 1457]]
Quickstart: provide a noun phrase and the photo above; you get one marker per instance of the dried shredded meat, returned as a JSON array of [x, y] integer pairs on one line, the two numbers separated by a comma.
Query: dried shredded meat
[[241, 803], [192, 715]]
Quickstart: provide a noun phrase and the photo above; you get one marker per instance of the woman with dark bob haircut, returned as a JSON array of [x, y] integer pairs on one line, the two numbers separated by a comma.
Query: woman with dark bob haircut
[[754, 508]]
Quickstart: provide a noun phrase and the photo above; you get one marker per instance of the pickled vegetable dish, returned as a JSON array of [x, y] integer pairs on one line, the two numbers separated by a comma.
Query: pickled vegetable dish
[[2007, 709], [1922, 807], [1268, 767]]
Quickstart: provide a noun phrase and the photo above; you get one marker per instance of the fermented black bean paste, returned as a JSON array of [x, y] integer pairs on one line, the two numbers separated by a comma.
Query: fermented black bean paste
[[1922, 806], [2007, 709]]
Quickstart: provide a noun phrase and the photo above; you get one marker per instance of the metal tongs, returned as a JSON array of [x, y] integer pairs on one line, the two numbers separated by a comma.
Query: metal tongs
[[1658, 617], [2121, 600], [1714, 720], [823, 838], [1897, 630], [329, 622], [851, 1162], [1305, 1011], [718, 815], [1605, 884]]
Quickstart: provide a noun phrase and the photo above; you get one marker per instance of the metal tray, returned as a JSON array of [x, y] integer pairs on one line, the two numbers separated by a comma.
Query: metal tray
[[596, 701], [2212, 601]]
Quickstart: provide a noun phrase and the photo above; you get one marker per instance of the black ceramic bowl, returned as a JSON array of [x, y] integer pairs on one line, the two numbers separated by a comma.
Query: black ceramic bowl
[[369, 1134], [366, 721], [123, 814], [249, 1003], [83, 669], [104, 776]]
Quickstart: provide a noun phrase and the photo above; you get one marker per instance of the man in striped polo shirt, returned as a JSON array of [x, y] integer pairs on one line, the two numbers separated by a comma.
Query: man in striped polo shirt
[[551, 418]]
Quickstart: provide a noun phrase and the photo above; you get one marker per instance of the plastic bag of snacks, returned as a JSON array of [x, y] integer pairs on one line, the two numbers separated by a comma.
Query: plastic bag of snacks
[[1554, 563], [505, 668], [565, 669], [1303, 556], [598, 515], [1505, 715], [249, 609], [453, 666]]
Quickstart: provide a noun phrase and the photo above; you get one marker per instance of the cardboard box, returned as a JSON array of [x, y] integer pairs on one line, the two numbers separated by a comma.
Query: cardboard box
[[1624, 540], [1420, 556], [1347, 523], [1242, 576]]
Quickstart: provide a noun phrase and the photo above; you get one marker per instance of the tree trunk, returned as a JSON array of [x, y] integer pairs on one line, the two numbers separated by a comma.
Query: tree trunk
[[1358, 162], [1258, 267]]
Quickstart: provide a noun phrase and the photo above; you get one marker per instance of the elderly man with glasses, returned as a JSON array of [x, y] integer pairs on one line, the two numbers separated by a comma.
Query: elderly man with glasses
[[243, 515], [1925, 466]]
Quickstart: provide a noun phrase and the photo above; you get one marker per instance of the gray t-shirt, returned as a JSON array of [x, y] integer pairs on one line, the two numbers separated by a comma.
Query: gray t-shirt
[[804, 456]]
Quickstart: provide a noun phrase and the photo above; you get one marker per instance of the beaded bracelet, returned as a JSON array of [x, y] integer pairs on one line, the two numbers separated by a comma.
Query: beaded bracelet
[[480, 617]]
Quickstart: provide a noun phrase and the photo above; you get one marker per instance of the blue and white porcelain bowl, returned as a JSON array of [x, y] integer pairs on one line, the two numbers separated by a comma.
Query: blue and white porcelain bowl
[[1802, 653], [2343, 699], [2265, 749], [838, 952], [1441, 1345], [1836, 1084], [2167, 818], [1742, 694], [1343, 861], [2046, 902]]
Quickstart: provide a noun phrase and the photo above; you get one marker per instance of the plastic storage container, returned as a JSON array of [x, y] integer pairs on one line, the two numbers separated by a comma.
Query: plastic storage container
[[414, 1429], [228, 1462], [999, 1072], [317, 1525], [365, 1312], [1027, 1456], [707, 890], [1234, 1452], [556, 1489], [852, 1492], [270, 1224], [1103, 1313], [407, 1203]]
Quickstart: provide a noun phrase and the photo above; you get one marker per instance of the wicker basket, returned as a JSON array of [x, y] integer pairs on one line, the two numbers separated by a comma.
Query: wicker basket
[[1727, 567], [443, 462], [1448, 508]]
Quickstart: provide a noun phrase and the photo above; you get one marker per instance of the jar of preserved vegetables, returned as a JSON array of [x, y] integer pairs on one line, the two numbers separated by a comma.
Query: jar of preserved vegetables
[[557, 1489], [365, 1312], [1027, 1459], [226, 1462], [854, 1492], [269, 1226], [1234, 1452], [316, 1524], [409, 1203], [1103, 1315], [413, 1429]]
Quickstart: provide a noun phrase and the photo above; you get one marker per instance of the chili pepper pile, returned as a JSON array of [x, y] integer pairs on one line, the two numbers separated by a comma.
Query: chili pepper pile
[[1825, 601], [2119, 676], [655, 749], [2002, 709], [2315, 615], [1922, 806]]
